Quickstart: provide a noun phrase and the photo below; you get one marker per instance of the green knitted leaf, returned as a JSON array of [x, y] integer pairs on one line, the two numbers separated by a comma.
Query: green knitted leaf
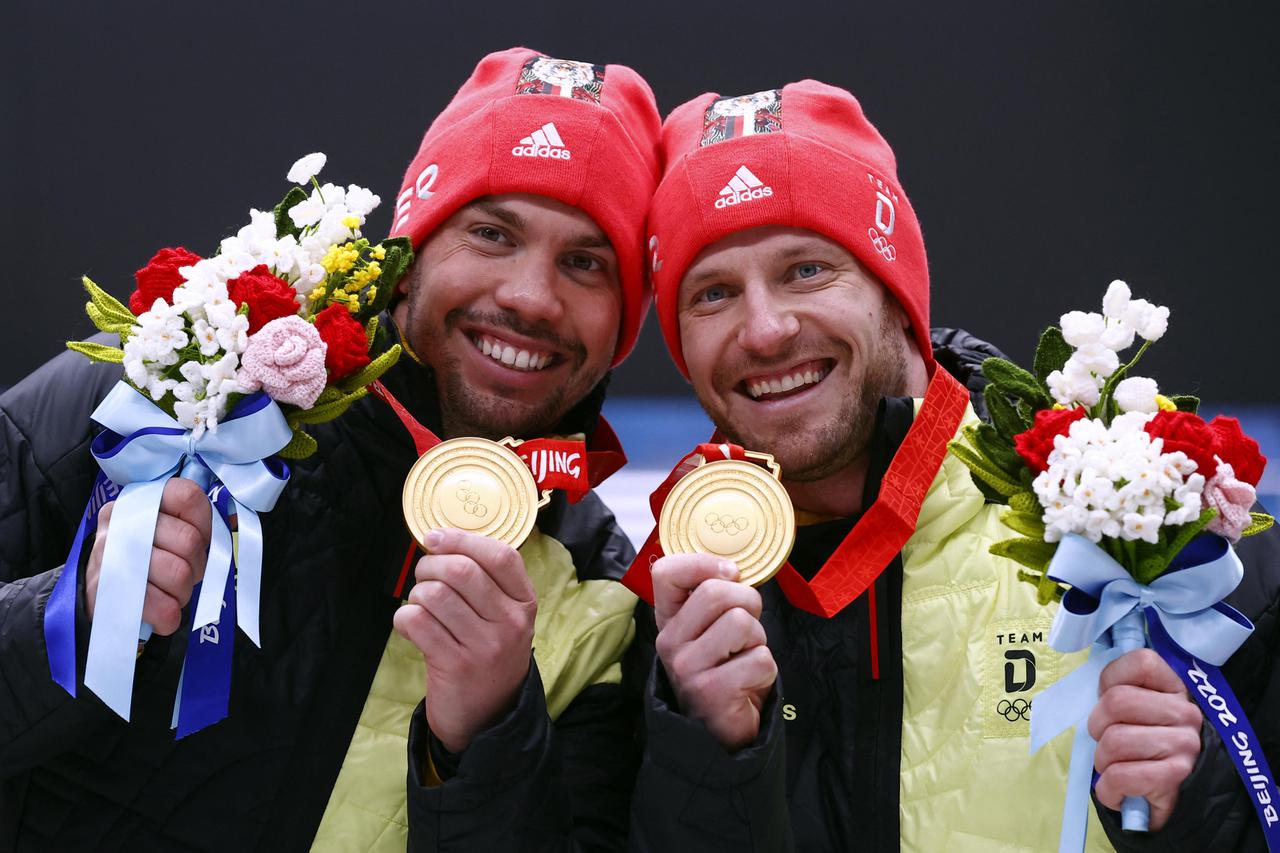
[[985, 471], [1026, 523], [112, 309], [299, 447], [1032, 553], [1051, 353], [989, 494], [324, 412], [995, 449], [371, 331], [1025, 502], [1186, 402], [398, 258], [1015, 381], [104, 321], [284, 223], [1004, 416], [97, 352], [371, 371], [1261, 521], [1047, 589]]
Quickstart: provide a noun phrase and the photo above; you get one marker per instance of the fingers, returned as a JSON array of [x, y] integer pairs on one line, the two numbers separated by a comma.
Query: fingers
[[419, 627], [186, 500], [735, 631], [752, 671], [161, 610], [179, 549], [705, 605], [728, 698], [1126, 743], [449, 609], [1141, 668], [499, 560], [1125, 703], [465, 577], [94, 565], [1158, 781], [178, 557], [676, 576]]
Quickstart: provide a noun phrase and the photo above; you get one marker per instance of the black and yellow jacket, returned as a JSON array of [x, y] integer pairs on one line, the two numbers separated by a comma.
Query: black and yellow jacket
[[314, 748], [909, 728]]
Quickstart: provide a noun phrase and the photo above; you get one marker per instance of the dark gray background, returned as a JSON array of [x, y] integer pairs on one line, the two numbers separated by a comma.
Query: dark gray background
[[1047, 147]]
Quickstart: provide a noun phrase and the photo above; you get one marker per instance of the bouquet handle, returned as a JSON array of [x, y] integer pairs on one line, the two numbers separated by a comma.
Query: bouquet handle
[[1129, 634]]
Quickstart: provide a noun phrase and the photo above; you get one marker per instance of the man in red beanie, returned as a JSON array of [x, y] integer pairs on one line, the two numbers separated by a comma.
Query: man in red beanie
[[525, 205], [875, 694]]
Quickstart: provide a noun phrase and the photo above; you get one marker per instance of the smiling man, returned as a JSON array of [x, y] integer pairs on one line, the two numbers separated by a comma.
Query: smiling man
[[525, 204], [875, 694]]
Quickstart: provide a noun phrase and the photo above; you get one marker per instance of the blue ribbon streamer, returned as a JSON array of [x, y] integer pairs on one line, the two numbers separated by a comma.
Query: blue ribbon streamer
[[140, 449], [204, 688], [1215, 697], [60, 609], [1103, 612]]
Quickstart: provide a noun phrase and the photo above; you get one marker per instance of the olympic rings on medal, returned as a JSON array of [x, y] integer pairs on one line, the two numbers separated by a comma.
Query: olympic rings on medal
[[470, 500], [718, 523]]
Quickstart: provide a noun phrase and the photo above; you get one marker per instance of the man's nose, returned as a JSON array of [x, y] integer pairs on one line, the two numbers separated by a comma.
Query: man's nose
[[532, 290], [768, 326]]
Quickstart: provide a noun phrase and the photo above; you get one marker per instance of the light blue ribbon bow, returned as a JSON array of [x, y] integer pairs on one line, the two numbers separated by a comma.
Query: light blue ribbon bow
[[1103, 597], [140, 450]]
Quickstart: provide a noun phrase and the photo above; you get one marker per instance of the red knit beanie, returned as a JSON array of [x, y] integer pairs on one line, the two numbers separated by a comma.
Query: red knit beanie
[[802, 156], [586, 135]]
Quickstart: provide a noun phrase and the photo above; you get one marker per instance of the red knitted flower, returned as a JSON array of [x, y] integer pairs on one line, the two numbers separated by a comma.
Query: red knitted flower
[[269, 298], [1035, 445], [1237, 449], [348, 344], [159, 277], [1188, 433]]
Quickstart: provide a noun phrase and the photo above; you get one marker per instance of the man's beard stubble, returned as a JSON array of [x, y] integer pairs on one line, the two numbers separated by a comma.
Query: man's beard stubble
[[843, 437], [464, 410]]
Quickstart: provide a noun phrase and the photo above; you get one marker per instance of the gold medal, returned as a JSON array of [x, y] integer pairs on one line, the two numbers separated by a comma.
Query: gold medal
[[475, 485], [734, 509]]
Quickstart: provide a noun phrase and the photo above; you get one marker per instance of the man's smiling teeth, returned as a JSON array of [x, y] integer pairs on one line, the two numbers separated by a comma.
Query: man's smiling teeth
[[786, 383], [520, 359]]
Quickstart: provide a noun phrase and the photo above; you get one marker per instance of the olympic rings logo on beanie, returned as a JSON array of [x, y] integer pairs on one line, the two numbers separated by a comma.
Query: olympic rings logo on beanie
[[583, 134], [802, 156]]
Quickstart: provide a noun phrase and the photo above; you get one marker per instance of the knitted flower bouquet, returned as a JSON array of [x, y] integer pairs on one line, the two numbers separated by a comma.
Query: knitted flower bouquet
[[1126, 505], [226, 360], [288, 306]]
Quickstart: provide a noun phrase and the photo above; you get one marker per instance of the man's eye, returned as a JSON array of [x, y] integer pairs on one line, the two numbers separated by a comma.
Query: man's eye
[[714, 294], [585, 263], [488, 232], [808, 270]]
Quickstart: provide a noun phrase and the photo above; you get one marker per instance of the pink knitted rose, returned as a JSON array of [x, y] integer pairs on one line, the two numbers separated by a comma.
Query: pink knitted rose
[[286, 359], [1232, 499]]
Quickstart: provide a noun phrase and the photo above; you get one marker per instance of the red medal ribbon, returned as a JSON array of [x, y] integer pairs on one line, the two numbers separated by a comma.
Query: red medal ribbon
[[883, 529], [555, 463], [637, 578]]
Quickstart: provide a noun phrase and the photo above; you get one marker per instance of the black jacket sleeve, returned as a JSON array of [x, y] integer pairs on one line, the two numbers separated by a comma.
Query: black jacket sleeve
[[37, 457], [527, 783], [46, 473], [691, 794], [1214, 811]]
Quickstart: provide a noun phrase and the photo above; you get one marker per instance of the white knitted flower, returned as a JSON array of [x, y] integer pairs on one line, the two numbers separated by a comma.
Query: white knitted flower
[[1115, 300], [306, 168], [1137, 394], [361, 201]]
